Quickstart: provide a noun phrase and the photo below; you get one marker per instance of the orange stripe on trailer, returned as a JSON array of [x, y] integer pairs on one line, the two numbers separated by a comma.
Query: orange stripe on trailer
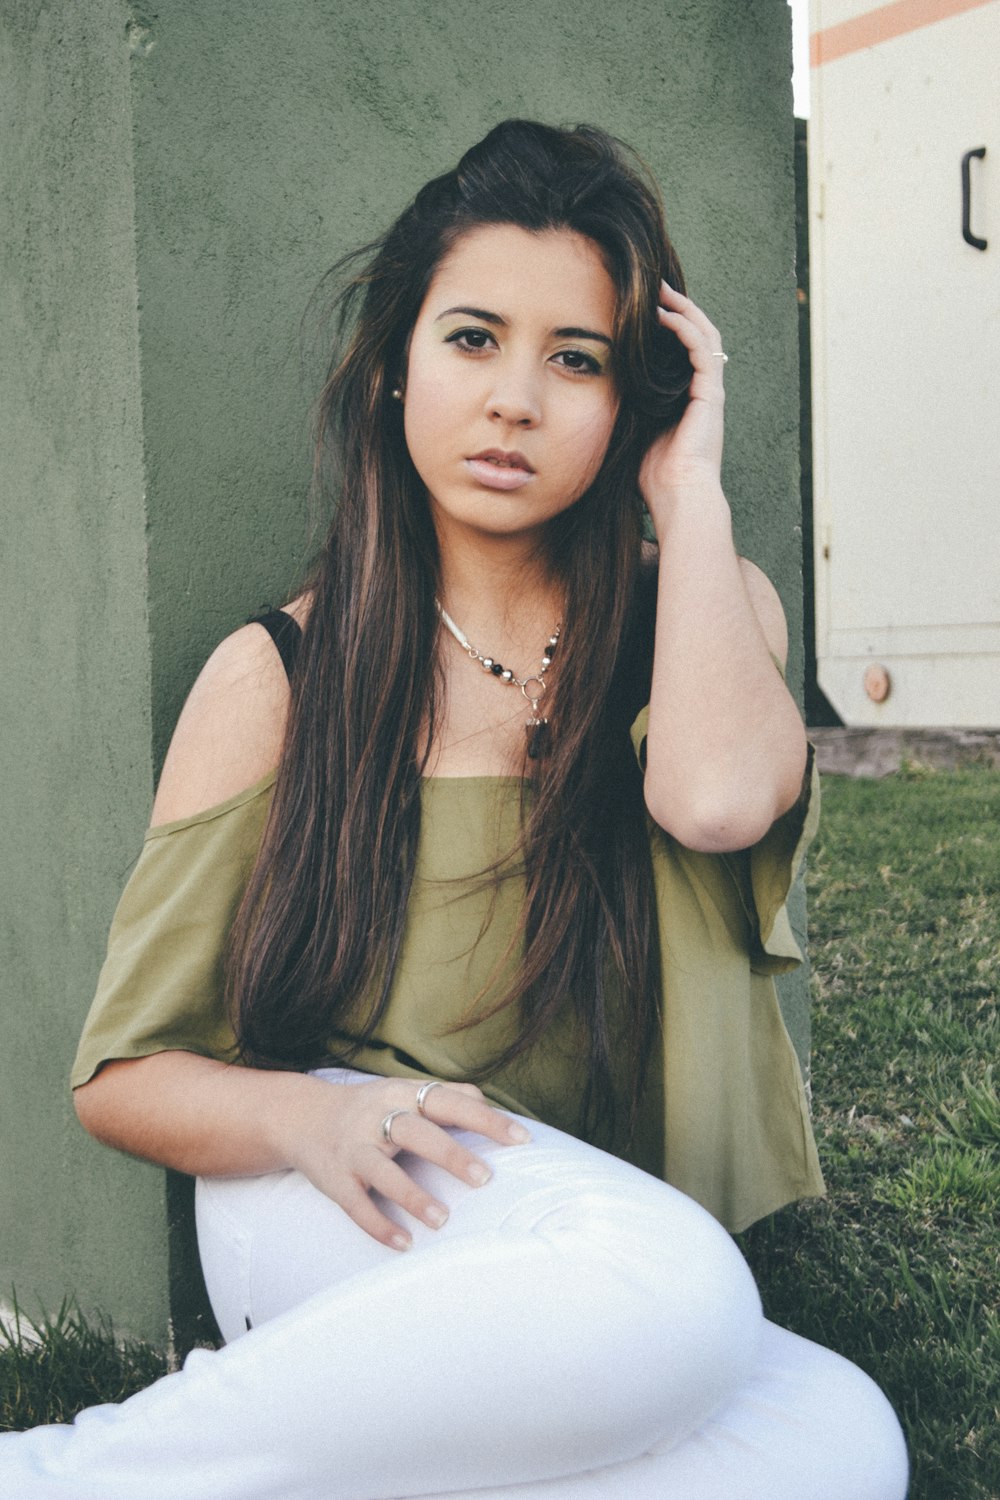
[[881, 25]]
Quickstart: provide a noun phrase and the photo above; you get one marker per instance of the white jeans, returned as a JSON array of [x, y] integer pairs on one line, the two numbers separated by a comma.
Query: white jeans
[[576, 1331]]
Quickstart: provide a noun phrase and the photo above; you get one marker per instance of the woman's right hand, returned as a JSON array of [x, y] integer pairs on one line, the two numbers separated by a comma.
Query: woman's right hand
[[334, 1137], [214, 1119]]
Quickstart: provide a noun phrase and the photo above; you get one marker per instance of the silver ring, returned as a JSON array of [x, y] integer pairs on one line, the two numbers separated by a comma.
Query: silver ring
[[387, 1124], [422, 1093], [720, 354]]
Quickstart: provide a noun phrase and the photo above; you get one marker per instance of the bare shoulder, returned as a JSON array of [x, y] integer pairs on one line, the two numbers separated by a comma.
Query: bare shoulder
[[232, 727], [767, 607]]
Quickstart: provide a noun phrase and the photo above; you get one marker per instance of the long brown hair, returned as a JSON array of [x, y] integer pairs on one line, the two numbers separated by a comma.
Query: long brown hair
[[316, 940]]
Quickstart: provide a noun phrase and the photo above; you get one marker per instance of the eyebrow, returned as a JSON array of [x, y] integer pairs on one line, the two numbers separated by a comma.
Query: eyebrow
[[499, 322]]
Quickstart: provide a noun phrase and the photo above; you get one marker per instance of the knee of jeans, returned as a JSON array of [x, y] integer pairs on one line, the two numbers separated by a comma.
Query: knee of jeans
[[691, 1289], [703, 1285], [665, 1313], [680, 1242]]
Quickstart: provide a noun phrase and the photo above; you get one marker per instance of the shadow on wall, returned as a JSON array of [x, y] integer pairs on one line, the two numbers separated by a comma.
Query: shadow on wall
[[818, 708]]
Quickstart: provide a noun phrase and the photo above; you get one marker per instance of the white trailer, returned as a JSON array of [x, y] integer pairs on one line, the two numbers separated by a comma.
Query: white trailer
[[904, 221]]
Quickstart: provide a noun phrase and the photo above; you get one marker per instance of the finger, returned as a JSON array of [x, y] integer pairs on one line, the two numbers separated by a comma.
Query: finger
[[400, 1093], [452, 1106], [704, 359], [472, 1089], [422, 1138], [677, 302], [691, 334], [426, 1092], [389, 1179], [358, 1205]]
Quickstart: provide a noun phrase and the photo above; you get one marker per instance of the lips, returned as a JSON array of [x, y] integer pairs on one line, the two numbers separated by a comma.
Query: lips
[[502, 460], [495, 469]]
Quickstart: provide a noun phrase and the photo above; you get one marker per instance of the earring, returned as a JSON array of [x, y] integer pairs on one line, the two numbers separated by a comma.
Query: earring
[[397, 394]]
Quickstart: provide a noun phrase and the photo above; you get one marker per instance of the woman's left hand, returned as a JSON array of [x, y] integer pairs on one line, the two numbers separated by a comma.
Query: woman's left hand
[[690, 454]]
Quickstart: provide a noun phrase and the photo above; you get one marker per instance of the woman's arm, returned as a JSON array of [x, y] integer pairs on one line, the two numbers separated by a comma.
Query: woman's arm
[[210, 1118], [726, 747], [203, 1116]]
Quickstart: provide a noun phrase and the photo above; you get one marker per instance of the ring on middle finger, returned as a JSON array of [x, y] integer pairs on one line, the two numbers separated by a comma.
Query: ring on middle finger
[[422, 1093], [387, 1124]]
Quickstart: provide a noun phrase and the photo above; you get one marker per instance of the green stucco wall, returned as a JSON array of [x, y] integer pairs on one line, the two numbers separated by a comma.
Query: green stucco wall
[[75, 758], [180, 176]]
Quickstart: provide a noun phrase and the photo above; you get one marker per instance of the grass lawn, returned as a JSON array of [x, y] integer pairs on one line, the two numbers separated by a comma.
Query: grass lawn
[[898, 1268], [71, 1364]]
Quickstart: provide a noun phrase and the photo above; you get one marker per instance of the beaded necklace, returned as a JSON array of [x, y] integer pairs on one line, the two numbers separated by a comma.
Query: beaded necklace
[[532, 688]]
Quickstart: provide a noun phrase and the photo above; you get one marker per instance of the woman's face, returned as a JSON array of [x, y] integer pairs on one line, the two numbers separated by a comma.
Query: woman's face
[[509, 397]]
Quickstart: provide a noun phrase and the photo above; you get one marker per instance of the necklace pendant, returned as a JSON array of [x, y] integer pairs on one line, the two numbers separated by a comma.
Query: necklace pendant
[[533, 687], [537, 731]]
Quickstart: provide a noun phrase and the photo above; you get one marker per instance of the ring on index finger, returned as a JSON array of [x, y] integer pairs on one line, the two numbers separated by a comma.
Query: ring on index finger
[[387, 1124], [422, 1093]]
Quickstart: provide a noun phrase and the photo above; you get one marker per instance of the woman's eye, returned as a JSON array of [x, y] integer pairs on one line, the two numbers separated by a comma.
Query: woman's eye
[[579, 361], [470, 338]]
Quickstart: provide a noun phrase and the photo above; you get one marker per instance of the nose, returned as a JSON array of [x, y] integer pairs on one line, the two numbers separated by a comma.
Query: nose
[[514, 398]]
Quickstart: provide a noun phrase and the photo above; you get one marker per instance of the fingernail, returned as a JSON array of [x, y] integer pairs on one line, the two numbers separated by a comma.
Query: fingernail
[[435, 1216], [478, 1174], [518, 1134], [400, 1241]]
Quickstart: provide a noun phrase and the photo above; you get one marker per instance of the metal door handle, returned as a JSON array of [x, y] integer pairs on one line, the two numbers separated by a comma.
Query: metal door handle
[[967, 234]]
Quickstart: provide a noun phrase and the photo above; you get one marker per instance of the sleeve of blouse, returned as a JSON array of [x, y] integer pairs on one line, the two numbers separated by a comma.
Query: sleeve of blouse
[[161, 986], [764, 874]]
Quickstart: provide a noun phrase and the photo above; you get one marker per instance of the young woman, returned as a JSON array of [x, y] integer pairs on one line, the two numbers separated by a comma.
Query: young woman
[[480, 875]]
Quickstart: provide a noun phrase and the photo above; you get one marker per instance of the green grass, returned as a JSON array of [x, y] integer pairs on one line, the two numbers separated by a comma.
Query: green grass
[[71, 1364], [898, 1267]]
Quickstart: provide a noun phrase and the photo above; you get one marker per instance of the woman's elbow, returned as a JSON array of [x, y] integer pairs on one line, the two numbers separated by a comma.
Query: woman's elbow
[[719, 820], [100, 1103], [712, 829], [89, 1101]]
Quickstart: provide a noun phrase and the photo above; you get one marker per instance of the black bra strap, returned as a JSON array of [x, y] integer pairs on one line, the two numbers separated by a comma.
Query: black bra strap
[[285, 632]]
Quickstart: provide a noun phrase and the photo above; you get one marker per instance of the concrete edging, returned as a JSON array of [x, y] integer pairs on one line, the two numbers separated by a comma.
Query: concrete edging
[[879, 752]]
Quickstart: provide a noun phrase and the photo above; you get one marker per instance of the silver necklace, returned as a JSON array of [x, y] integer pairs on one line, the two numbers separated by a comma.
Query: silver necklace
[[532, 688]]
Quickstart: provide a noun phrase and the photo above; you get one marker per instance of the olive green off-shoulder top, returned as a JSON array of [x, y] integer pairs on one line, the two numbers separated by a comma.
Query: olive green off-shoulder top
[[724, 1116]]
